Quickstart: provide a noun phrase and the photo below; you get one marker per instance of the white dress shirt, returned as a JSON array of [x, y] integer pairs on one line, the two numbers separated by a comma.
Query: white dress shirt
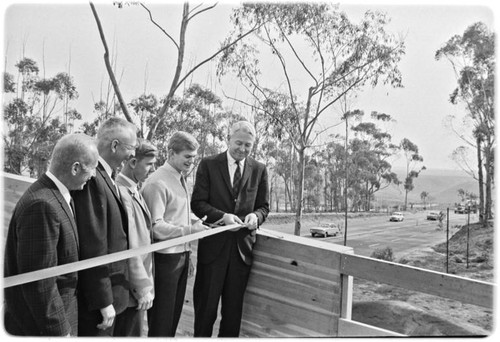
[[62, 189], [231, 164]]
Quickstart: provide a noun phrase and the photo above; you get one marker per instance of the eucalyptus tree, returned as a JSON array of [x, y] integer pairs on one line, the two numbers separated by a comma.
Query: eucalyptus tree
[[424, 195], [413, 165], [472, 57], [35, 116], [317, 55], [199, 111], [371, 156]]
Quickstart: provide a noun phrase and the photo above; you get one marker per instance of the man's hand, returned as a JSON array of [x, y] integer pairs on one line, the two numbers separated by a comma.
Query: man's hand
[[198, 226], [108, 316], [145, 302], [251, 221], [231, 219]]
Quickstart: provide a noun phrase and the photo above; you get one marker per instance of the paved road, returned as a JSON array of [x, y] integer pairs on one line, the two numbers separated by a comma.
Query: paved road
[[366, 235]]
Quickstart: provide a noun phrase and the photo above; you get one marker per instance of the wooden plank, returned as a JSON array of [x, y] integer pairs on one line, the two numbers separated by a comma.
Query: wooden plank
[[413, 278], [349, 328], [324, 265], [275, 313], [323, 295], [294, 287], [310, 250]]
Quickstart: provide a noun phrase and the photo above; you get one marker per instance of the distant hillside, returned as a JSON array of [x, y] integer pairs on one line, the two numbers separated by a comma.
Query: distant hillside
[[442, 186]]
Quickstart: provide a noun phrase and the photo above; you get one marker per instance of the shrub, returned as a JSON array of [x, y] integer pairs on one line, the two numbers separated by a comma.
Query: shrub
[[383, 254]]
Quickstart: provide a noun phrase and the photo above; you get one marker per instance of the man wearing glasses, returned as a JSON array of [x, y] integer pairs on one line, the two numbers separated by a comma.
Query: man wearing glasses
[[102, 229]]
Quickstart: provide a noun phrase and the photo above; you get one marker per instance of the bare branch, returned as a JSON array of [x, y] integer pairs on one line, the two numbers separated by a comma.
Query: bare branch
[[158, 25], [201, 11], [108, 66]]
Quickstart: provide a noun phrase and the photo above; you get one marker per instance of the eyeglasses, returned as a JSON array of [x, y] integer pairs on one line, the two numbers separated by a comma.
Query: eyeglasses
[[128, 146]]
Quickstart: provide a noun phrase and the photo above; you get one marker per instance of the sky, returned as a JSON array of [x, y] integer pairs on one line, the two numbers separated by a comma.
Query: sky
[[61, 37]]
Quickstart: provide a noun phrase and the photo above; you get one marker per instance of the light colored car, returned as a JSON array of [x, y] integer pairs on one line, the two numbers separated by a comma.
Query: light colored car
[[397, 217], [327, 229], [433, 215]]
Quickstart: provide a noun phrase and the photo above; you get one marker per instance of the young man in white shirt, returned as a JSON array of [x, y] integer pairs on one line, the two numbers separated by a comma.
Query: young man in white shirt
[[168, 200]]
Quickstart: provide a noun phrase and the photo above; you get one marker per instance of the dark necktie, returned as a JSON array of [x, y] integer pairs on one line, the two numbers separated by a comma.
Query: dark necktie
[[236, 180], [113, 174], [72, 205]]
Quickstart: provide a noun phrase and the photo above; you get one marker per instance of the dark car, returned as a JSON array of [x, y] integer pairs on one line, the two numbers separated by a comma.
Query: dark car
[[434, 215]]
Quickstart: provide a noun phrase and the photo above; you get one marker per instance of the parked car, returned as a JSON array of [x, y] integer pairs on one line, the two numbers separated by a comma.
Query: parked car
[[433, 215], [397, 217], [465, 208], [327, 229]]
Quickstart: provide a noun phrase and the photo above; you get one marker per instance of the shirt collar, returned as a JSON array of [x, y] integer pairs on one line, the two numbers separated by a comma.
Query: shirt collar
[[107, 168], [170, 168], [130, 183], [60, 186], [231, 161]]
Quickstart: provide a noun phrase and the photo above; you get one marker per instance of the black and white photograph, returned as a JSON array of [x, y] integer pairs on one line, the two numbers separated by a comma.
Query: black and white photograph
[[264, 169]]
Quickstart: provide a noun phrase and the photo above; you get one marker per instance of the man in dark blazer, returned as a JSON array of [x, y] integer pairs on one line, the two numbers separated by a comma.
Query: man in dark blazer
[[42, 234], [230, 187], [102, 226]]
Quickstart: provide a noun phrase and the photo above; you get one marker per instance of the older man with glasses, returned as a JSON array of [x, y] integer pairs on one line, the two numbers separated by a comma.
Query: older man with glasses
[[103, 228]]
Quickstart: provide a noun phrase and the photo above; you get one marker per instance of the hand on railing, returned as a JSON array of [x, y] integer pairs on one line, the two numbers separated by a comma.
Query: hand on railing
[[251, 221], [198, 226], [229, 219]]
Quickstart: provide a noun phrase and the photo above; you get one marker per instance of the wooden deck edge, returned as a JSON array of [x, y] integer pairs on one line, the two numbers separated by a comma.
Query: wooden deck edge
[[349, 328]]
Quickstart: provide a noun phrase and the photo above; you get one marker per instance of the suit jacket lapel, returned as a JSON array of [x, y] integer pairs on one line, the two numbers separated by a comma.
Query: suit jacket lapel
[[247, 171], [134, 193], [64, 205], [224, 169], [108, 181]]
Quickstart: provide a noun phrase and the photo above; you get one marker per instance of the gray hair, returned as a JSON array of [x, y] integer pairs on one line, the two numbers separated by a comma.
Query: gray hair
[[71, 148], [243, 126], [113, 127]]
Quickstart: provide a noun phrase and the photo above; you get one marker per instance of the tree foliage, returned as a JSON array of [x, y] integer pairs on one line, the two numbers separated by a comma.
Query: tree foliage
[[472, 57], [316, 43], [36, 116], [413, 165]]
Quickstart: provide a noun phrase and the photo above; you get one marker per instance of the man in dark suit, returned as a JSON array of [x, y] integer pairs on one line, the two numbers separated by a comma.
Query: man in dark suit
[[42, 234], [102, 226], [230, 188]]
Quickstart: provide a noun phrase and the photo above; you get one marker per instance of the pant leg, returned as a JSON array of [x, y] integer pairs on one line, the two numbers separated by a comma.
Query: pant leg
[[207, 290], [164, 315], [181, 290], [129, 323], [233, 293]]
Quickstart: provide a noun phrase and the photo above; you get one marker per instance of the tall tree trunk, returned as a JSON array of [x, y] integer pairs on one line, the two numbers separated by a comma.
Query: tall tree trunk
[[480, 180], [300, 192], [489, 167]]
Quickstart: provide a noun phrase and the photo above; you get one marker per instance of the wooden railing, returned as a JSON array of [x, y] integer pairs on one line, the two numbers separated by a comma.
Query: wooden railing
[[301, 287]]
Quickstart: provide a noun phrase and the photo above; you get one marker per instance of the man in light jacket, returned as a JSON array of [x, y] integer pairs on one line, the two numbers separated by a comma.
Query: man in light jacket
[[140, 268]]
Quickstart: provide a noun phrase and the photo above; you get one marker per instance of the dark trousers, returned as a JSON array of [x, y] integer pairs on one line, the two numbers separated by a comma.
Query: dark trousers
[[88, 321], [171, 274], [129, 323], [224, 279]]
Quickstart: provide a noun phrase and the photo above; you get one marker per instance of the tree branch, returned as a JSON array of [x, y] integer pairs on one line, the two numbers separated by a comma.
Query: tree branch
[[161, 28], [108, 66]]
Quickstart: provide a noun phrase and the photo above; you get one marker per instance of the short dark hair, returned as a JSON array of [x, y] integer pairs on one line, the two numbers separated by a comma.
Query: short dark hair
[[145, 149]]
